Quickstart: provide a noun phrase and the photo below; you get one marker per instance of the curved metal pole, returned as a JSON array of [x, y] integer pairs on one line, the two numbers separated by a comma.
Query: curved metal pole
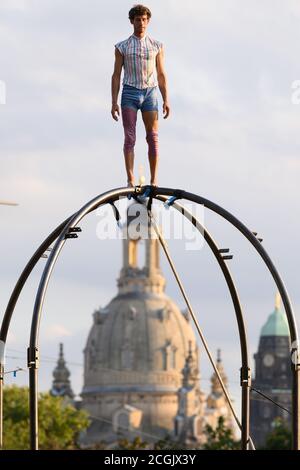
[[243, 341], [181, 194], [24, 276], [248, 234], [295, 360], [33, 358], [245, 381], [11, 306], [12, 303]]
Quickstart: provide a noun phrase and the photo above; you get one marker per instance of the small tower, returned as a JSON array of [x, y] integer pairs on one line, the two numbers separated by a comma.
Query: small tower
[[61, 386], [138, 231], [188, 421], [137, 346], [217, 404], [216, 389], [272, 375]]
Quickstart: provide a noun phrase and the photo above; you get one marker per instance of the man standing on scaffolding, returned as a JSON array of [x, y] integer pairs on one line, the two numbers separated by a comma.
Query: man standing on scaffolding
[[143, 60]]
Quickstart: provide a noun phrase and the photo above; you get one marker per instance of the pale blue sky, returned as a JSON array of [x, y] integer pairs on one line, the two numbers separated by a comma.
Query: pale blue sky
[[232, 137]]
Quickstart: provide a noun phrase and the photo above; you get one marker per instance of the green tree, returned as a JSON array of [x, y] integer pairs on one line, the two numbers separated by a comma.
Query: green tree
[[59, 423], [220, 438], [136, 444], [168, 444], [280, 438]]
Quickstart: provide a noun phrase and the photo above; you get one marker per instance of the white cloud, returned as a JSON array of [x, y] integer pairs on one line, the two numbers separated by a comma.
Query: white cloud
[[232, 137], [15, 4], [56, 332]]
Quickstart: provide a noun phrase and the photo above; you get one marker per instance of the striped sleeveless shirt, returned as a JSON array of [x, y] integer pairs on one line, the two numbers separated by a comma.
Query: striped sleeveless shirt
[[139, 61]]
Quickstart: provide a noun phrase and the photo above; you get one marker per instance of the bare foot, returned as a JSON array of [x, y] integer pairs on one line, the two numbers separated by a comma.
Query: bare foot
[[130, 184]]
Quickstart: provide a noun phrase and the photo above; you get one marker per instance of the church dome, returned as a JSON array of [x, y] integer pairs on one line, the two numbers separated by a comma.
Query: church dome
[[139, 343], [140, 340], [276, 324], [137, 347]]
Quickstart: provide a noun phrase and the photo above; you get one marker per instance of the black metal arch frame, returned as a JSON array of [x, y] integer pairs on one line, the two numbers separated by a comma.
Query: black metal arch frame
[[245, 370], [66, 229]]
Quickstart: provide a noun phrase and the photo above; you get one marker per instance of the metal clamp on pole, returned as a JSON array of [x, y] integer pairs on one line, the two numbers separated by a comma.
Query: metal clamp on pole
[[295, 359], [245, 376], [259, 239], [177, 195], [149, 192], [141, 197], [71, 233], [169, 202], [151, 195], [32, 358], [137, 189], [225, 250]]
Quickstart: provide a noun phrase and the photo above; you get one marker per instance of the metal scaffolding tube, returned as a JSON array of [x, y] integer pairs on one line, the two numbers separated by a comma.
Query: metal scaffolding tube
[[11, 306], [245, 369], [245, 430], [110, 196], [49, 240]]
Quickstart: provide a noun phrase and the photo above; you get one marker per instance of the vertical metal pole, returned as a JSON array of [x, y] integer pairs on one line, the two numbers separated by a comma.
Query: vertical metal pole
[[296, 401], [111, 195], [33, 397], [245, 384], [245, 379], [37, 311], [1, 403], [12, 303]]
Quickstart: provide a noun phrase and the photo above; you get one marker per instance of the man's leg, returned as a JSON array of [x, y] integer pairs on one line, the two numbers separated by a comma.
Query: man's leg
[[150, 119], [129, 117]]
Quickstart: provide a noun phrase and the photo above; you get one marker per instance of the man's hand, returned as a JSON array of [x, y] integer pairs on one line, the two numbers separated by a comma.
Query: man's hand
[[166, 109], [115, 111]]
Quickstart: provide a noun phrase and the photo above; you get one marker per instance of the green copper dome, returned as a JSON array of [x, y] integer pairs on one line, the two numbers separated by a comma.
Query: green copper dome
[[276, 325]]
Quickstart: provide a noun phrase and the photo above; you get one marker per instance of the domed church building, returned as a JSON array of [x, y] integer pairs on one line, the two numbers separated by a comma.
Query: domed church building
[[138, 356]]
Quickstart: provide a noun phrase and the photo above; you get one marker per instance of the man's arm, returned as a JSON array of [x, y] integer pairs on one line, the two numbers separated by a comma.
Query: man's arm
[[115, 84], [162, 82]]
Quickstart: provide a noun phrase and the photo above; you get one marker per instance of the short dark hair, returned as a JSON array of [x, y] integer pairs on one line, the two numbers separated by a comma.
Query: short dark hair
[[139, 10]]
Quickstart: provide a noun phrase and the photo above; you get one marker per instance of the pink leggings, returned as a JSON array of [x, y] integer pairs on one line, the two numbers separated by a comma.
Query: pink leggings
[[129, 116]]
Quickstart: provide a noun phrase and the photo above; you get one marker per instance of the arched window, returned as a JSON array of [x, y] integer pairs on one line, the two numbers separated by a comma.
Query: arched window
[[167, 356], [173, 358]]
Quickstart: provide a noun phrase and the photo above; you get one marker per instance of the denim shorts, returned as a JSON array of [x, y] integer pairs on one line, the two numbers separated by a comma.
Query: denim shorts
[[145, 100]]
